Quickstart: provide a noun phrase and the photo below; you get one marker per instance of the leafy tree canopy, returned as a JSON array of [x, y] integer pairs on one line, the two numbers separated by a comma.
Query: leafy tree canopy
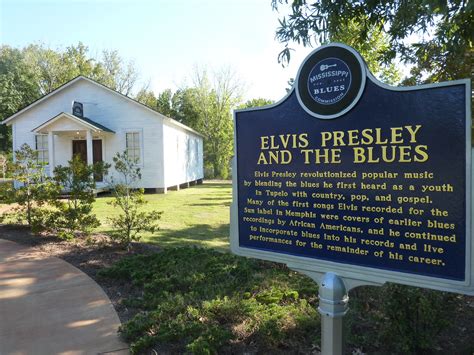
[[147, 97], [256, 103], [442, 50], [206, 106], [35, 70], [372, 49]]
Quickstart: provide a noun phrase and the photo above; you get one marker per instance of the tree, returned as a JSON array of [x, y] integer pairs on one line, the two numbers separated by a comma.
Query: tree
[[184, 107], [164, 103], [77, 180], [206, 106], [3, 165], [53, 68], [372, 50], [116, 74], [34, 189], [18, 87], [443, 50], [131, 221], [213, 104], [256, 103], [27, 74], [147, 98]]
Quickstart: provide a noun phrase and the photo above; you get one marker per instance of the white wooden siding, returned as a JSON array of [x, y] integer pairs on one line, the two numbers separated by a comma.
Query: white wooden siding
[[161, 165], [183, 155]]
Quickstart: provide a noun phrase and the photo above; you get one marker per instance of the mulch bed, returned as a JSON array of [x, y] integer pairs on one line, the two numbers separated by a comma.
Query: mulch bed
[[87, 255]]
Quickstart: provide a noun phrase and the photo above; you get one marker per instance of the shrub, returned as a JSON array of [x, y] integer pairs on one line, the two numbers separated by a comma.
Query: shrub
[[77, 181], [131, 221], [3, 166], [415, 317], [404, 319], [205, 302], [33, 191]]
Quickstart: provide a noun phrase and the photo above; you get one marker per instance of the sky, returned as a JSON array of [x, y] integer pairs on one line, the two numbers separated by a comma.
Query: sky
[[166, 39]]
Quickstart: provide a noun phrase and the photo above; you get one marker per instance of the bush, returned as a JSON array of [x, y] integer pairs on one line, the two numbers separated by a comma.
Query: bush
[[77, 181], [34, 190], [130, 222], [201, 301], [403, 319], [3, 166]]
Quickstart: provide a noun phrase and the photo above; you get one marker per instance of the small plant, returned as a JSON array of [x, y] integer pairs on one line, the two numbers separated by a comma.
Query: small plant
[[415, 317], [404, 319], [131, 221], [3, 165], [199, 301], [77, 181], [32, 192]]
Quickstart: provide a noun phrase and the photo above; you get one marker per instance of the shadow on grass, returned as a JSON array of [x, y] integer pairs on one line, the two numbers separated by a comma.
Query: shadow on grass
[[213, 201], [219, 198], [226, 204], [202, 235], [212, 186]]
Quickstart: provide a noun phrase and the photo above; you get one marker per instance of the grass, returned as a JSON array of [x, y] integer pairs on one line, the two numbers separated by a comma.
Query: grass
[[196, 216]]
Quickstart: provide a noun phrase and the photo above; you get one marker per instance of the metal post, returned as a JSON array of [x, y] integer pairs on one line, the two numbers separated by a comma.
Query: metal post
[[333, 305]]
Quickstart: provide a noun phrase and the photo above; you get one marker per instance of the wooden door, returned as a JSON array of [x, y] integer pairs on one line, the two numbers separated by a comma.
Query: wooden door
[[79, 147], [97, 156], [96, 150]]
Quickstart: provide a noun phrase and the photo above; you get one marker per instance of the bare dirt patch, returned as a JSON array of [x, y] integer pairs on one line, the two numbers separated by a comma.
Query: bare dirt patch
[[7, 208]]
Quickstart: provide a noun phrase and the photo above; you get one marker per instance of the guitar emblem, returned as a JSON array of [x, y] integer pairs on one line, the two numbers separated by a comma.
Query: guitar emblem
[[324, 67]]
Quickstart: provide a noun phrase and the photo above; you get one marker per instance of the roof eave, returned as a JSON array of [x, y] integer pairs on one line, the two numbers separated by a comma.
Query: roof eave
[[8, 120], [76, 119]]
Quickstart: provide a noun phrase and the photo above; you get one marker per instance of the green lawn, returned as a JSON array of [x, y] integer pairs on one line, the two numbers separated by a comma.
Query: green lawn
[[198, 215]]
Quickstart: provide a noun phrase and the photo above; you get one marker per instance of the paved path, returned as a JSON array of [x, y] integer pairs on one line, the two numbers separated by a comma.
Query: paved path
[[48, 306]]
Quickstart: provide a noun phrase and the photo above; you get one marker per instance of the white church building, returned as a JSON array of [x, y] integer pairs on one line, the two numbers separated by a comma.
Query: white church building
[[86, 118]]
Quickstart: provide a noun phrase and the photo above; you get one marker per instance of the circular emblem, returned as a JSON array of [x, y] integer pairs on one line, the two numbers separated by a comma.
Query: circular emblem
[[331, 81]]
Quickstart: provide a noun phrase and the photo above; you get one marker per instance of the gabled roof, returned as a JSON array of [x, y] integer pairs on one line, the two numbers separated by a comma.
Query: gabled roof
[[83, 121], [81, 77]]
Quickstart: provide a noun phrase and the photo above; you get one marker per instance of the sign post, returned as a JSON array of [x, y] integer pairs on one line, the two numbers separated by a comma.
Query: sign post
[[353, 182], [333, 301]]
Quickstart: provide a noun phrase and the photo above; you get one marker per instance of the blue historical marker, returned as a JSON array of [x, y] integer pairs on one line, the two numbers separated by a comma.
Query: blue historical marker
[[350, 176]]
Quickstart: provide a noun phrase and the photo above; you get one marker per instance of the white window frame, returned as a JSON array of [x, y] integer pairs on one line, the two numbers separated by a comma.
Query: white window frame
[[42, 148], [139, 147]]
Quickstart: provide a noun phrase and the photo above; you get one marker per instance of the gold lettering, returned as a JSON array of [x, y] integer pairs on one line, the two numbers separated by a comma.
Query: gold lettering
[[413, 132], [421, 150], [325, 136], [262, 159]]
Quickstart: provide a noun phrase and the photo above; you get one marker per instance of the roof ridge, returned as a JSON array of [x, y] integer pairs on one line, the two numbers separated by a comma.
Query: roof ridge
[[83, 77]]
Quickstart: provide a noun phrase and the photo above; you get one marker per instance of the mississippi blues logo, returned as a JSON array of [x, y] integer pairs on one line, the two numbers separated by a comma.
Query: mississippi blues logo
[[329, 81]]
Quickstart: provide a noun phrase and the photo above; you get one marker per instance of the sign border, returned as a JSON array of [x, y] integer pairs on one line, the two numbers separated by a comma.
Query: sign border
[[361, 275]]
